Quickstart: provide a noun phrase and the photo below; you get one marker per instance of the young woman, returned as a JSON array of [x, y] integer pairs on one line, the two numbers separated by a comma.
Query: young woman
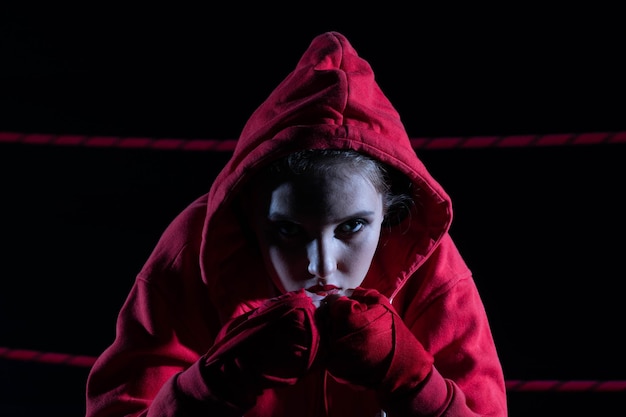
[[316, 278]]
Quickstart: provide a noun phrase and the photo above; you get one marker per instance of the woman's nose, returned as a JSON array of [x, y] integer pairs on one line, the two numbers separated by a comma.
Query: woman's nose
[[322, 257]]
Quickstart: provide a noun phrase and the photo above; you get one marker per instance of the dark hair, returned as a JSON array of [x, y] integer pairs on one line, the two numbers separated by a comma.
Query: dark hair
[[394, 186]]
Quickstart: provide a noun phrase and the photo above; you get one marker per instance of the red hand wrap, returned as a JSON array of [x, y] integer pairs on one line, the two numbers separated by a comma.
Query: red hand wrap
[[271, 346], [371, 346]]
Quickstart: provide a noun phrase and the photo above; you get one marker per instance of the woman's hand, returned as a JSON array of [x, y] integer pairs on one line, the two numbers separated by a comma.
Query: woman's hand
[[269, 347], [369, 345]]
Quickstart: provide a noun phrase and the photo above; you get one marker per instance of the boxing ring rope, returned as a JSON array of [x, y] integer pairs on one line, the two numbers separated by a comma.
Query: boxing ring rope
[[228, 145], [222, 145], [64, 359]]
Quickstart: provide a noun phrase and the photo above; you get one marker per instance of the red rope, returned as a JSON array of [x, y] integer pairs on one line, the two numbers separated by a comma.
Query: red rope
[[569, 386], [46, 357], [228, 145], [511, 385]]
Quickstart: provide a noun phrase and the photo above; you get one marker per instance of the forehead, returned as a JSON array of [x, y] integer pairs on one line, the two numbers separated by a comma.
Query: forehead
[[329, 194]]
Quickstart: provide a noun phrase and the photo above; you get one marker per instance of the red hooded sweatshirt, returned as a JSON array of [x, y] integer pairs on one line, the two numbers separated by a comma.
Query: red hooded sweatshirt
[[204, 271]]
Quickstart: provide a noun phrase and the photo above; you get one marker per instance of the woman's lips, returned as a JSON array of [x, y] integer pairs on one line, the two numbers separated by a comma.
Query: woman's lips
[[319, 293], [323, 290]]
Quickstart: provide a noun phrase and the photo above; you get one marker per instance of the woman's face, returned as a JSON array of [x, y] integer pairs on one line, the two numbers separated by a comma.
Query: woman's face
[[319, 233]]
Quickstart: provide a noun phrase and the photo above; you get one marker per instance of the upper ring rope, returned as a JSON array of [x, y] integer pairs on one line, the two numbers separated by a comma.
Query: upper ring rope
[[228, 145]]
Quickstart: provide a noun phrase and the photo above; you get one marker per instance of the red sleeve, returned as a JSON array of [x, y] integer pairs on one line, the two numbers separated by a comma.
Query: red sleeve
[[157, 334], [447, 315]]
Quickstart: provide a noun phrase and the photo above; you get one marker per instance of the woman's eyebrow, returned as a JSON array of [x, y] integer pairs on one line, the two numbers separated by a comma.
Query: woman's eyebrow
[[278, 216], [362, 213]]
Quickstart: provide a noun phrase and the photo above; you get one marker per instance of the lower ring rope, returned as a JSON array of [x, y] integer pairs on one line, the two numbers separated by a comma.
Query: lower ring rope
[[511, 385]]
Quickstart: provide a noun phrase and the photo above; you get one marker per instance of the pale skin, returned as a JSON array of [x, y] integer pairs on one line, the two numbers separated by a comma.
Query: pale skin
[[319, 233]]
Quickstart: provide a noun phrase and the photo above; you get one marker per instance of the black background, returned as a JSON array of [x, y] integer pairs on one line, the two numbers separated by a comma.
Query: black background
[[541, 227]]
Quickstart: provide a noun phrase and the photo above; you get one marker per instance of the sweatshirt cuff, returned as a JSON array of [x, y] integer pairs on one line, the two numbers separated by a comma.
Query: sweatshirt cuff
[[431, 397], [188, 391]]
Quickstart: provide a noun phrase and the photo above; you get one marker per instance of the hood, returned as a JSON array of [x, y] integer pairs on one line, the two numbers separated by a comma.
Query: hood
[[330, 100]]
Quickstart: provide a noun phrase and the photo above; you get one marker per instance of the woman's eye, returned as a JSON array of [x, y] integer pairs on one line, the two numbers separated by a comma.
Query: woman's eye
[[351, 226], [287, 229]]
